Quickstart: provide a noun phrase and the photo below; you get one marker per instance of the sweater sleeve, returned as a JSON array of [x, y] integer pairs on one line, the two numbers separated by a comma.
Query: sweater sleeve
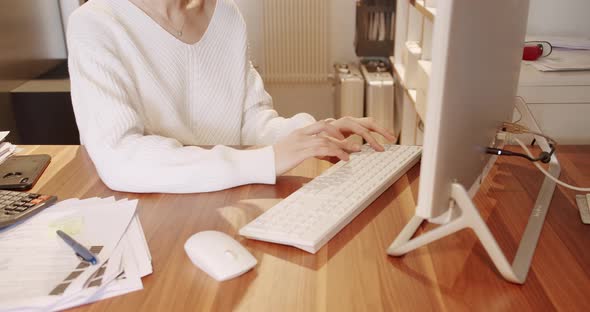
[[262, 124], [126, 159]]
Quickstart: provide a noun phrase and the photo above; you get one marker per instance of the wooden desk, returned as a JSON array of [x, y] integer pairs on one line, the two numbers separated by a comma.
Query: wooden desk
[[352, 272]]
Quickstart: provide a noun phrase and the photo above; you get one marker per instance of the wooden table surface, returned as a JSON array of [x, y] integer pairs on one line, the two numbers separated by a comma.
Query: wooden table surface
[[352, 272]]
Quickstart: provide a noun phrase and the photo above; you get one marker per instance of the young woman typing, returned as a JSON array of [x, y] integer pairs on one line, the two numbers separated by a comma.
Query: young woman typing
[[153, 79]]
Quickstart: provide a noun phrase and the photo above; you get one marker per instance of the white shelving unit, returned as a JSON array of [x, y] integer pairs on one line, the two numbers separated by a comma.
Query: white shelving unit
[[411, 64]]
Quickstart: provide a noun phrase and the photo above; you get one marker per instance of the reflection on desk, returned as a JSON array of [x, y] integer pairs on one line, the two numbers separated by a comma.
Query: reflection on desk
[[352, 272]]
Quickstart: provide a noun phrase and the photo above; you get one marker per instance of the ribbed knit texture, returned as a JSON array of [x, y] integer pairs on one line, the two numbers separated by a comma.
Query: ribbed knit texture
[[143, 99]]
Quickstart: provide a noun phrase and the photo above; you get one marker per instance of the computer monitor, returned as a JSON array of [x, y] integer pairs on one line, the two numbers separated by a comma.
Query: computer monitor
[[476, 52], [477, 48]]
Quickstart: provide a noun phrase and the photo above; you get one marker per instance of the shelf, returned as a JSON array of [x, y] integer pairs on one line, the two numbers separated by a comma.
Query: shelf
[[399, 71], [425, 66], [424, 78], [412, 94], [429, 13], [420, 104]]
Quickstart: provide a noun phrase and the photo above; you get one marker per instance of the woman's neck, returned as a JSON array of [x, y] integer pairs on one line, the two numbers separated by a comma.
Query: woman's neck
[[167, 7]]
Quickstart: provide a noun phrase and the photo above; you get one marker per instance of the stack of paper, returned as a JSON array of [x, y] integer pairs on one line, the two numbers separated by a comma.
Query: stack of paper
[[39, 271], [6, 149], [573, 43], [564, 60], [568, 54]]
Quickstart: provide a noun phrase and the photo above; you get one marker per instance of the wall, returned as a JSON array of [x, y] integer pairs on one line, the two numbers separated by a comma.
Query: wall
[[341, 23], [316, 99], [559, 17], [66, 8], [31, 36]]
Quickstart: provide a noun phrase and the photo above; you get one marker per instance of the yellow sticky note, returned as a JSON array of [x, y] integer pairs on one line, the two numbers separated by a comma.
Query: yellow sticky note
[[70, 225]]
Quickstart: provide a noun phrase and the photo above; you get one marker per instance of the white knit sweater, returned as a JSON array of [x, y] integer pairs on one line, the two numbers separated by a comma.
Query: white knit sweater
[[143, 99]]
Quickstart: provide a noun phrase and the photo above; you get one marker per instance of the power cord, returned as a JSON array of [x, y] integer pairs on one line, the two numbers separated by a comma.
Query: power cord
[[544, 157], [510, 127], [575, 188]]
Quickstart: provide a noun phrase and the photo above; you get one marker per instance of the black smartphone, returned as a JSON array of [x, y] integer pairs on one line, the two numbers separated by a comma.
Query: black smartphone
[[22, 172]]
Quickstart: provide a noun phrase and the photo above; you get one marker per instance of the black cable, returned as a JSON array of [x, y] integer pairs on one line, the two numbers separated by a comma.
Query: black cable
[[544, 157]]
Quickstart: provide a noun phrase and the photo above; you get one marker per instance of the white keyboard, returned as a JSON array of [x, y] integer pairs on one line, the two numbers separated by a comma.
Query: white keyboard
[[312, 215]]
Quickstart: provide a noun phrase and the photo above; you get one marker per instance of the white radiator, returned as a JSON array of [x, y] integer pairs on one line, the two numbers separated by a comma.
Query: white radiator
[[296, 41]]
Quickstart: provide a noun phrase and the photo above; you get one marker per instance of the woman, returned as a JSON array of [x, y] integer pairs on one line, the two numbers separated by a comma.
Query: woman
[[151, 79]]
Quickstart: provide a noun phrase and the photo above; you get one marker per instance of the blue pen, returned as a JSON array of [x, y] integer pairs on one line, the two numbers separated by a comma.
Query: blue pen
[[80, 250]]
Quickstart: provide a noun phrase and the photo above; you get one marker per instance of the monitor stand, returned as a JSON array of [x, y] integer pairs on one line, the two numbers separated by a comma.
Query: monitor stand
[[464, 214]]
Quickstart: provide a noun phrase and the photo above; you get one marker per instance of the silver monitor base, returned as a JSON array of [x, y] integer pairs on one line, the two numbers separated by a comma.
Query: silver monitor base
[[466, 215]]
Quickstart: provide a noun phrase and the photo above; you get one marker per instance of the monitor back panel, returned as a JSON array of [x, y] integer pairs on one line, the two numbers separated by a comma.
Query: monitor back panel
[[477, 47]]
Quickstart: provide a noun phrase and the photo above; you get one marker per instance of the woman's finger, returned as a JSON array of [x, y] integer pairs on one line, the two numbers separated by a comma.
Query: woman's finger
[[323, 152], [322, 126], [325, 147], [346, 145], [373, 126], [334, 132], [357, 128]]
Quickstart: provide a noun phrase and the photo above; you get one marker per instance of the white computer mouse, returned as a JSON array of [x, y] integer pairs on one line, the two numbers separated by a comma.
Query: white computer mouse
[[219, 255]]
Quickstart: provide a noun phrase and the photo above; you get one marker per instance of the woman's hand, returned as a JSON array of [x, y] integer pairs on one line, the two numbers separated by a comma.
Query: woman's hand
[[325, 139], [362, 126], [307, 142]]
